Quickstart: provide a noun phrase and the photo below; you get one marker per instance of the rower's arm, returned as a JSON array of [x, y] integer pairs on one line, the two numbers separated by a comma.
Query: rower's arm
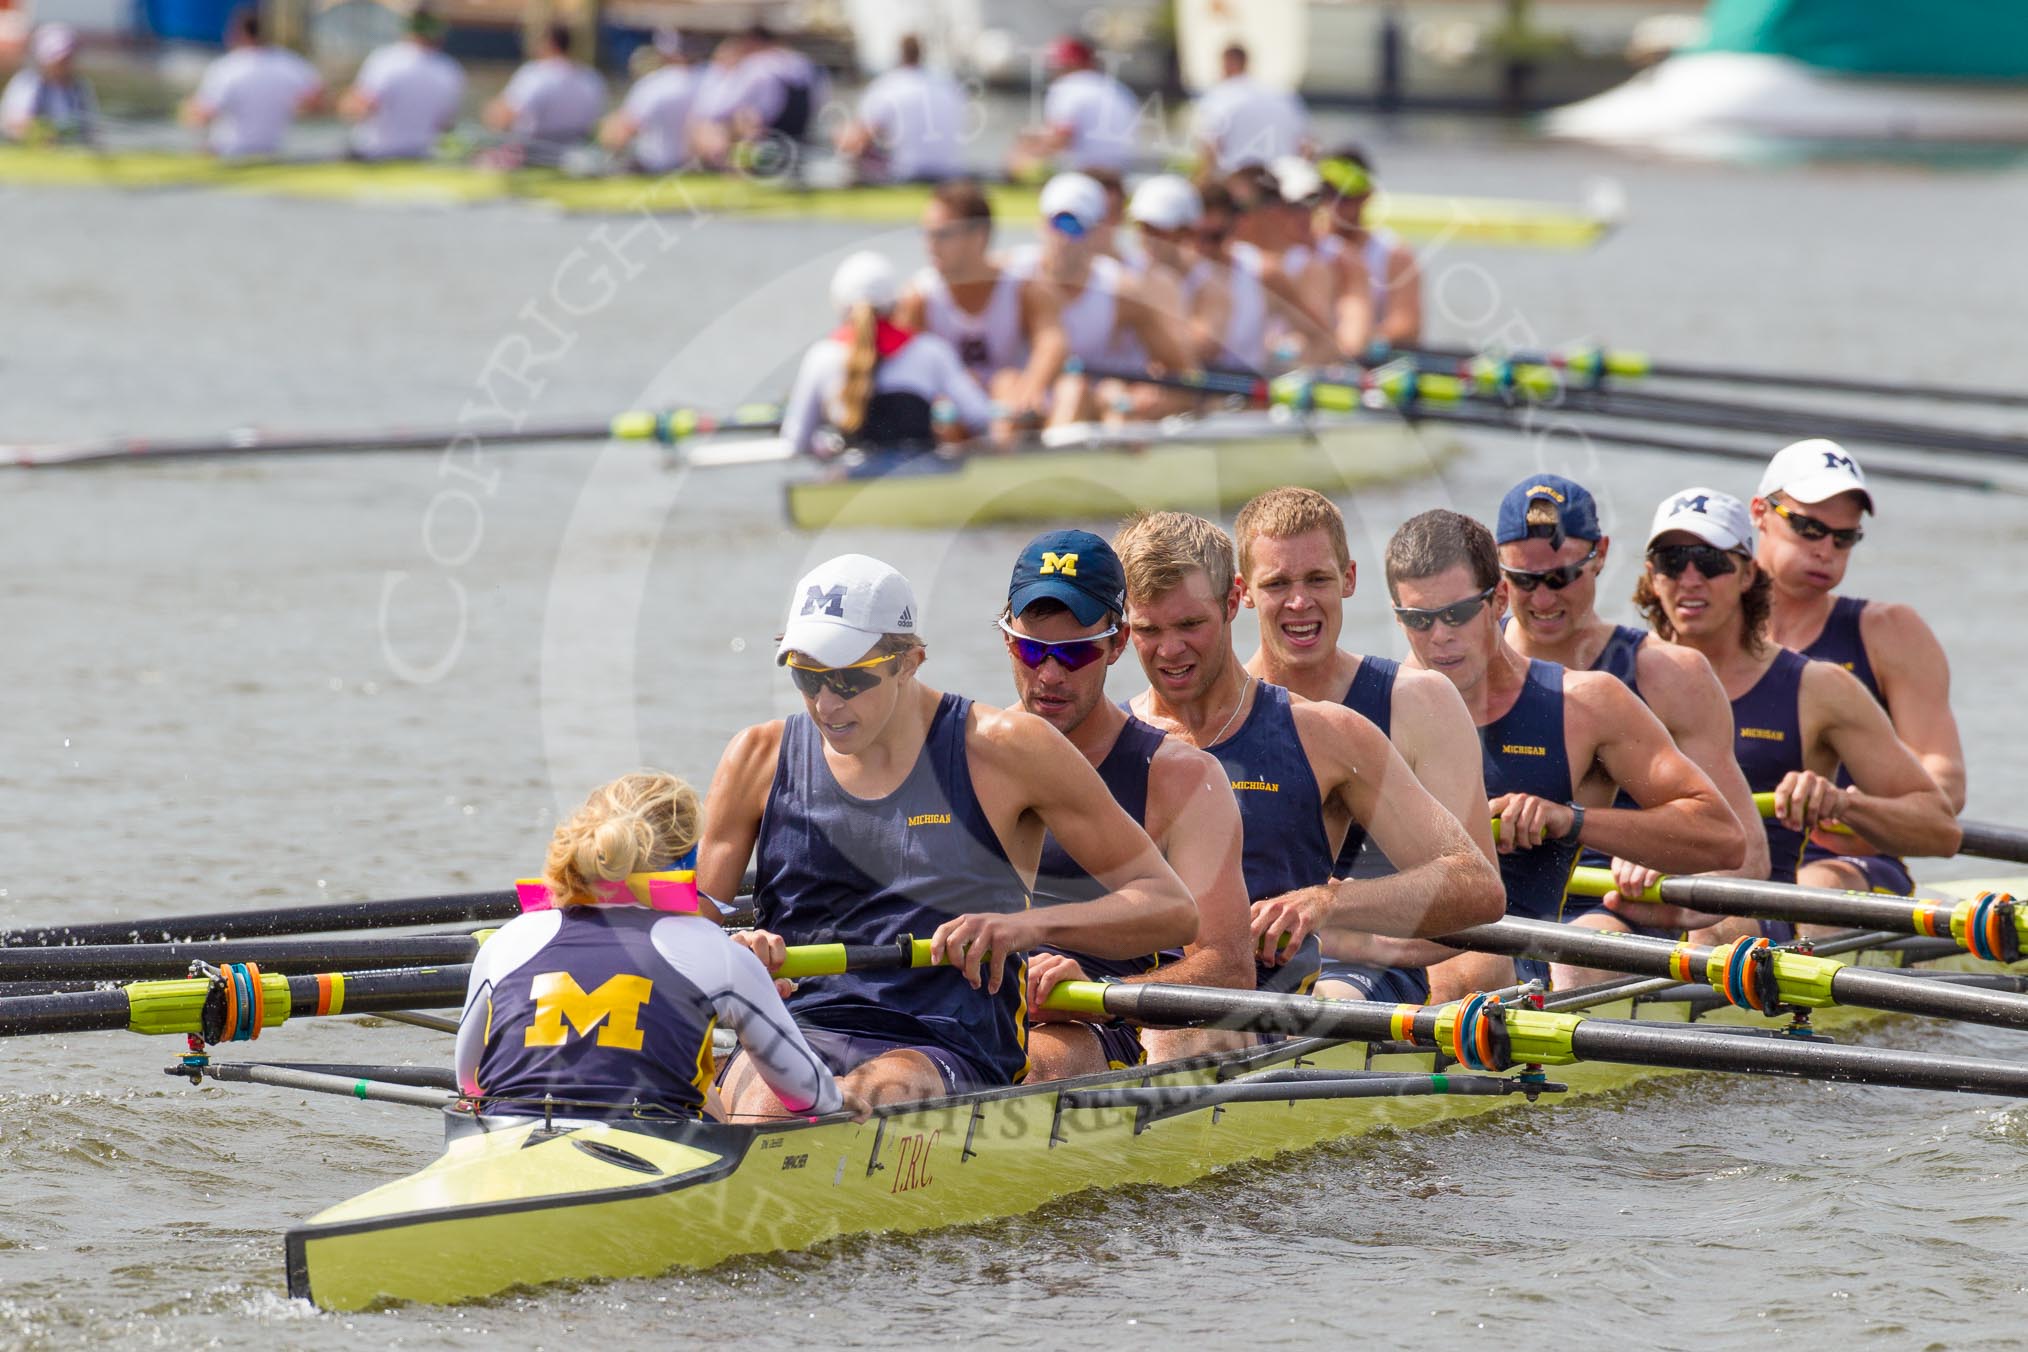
[[1155, 313], [1915, 678], [1401, 326], [1048, 349], [1685, 694], [1196, 820], [1435, 735], [733, 807], [1146, 906], [1212, 314], [1682, 825], [910, 311], [1353, 311], [1444, 882], [1893, 802], [1289, 300]]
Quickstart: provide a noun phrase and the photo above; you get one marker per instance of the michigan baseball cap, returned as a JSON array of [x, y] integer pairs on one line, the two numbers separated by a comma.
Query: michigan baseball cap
[[844, 606], [1073, 203], [1576, 512], [1713, 517], [1071, 566], [1811, 471]]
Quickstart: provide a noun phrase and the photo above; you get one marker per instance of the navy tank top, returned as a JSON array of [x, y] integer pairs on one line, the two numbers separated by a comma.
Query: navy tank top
[[1060, 879], [1371, 696], [1621, 660], [600, 1009], [1767, 738], [1282, 812], [1840, 642], [834, 868], [1523, 751]]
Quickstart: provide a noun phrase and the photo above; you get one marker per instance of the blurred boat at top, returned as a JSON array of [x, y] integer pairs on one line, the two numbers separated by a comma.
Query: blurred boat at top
[[1773, 75]]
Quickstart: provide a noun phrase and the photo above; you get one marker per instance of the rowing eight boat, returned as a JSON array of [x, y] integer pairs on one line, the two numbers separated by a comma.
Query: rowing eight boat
[[1092, 473], [1473, 220], [522, 1204]]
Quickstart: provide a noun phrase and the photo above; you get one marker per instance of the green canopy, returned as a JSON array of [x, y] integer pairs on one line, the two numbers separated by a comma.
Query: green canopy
[[1911, 39]]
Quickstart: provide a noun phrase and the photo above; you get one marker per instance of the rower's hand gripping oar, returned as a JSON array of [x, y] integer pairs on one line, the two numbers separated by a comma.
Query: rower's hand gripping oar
[[1982, 840]]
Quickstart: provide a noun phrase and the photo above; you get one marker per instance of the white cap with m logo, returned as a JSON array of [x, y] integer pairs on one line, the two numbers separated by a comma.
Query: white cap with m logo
[[844, 606], [1813, 471]]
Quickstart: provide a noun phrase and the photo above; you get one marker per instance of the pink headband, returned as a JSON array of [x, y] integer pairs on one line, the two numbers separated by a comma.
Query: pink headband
[[674, 891]]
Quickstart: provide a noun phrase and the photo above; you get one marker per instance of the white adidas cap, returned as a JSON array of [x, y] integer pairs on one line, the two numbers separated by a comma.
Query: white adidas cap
[[1812, 471], [1167, 202], [1077, 196], [1297, 179], [865, 278], [843, 607], [1713, 517]]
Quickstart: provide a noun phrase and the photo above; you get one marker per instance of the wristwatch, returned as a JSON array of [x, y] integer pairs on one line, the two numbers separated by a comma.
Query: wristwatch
[[1576, 826]]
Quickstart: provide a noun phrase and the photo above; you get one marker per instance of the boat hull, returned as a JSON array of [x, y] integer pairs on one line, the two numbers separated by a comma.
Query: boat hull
[[512, 1208], [1210, 466]]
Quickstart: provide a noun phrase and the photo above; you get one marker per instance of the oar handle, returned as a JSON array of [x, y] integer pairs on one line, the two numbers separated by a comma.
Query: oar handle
[[1764, 803], [806, 960]]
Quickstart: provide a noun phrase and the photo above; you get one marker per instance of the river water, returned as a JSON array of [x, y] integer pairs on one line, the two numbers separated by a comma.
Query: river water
[[276, 682]]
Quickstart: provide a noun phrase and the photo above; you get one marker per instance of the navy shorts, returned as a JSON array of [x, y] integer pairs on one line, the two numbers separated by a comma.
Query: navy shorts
[[1119, 1042], [1878, 872], [1388, 985], [846, 1052], [1294, 977]]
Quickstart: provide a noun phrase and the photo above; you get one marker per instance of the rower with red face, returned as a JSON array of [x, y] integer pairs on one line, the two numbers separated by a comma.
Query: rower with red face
[[1552, 550], [1795, 722], [1555, 745], [887, 809], [1305, 773], [1063, 630], [1297, 569], [1807, 513]]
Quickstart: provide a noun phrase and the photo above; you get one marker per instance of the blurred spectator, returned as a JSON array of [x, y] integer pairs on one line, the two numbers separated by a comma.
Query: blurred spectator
[[251, 96], [652, 128], [552, 104], [406, 94], [1240, 121], [48, 99], [911, 123], [1089, 119]]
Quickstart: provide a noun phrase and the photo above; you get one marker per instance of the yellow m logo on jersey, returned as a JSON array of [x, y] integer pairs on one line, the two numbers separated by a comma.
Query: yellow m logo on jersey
[[559, 1000], [1057, 563]]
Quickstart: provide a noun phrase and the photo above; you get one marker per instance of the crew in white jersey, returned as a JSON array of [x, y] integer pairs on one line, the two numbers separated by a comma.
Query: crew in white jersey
[[1089, 119], [1272, 233], [651, 127], [976, 302], [1175, 281], [1104, 311], [552, 103], [47, 98], [249, 97], [1240, 121], [1376, 285], [405, 96], [911, 124], [1232, 288], [875, 384]]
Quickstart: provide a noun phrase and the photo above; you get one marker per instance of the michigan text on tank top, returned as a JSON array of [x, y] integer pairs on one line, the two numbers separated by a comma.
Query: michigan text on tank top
[[1371, 696], [1059, 878], [834, 868], [1767, 738], [1280, 807], [1523, 751], [599, 1016]]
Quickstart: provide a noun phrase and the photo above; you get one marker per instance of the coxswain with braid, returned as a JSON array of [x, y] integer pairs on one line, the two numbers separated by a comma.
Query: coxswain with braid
[[600, 999]]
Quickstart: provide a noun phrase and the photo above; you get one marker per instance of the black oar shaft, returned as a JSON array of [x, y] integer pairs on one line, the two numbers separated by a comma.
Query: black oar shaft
[[1990, 840], [146, 1007], [449, 908], [134, 962], [1684, 1048]]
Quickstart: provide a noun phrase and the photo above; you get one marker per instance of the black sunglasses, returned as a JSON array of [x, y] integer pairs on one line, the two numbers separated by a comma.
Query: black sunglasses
[[844, 682], [1456, 614], [1075, 654], [1812, 529], [1710, 560], [1556, 579]]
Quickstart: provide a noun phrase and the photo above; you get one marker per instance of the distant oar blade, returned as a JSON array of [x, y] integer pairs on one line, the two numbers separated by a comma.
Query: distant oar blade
[[451, 908]]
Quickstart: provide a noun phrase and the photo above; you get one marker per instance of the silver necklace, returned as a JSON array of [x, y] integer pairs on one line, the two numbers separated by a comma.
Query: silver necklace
[[1219, 736]]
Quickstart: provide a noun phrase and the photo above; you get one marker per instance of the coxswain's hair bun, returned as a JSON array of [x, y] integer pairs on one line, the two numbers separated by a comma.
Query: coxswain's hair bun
[[636, 824]]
